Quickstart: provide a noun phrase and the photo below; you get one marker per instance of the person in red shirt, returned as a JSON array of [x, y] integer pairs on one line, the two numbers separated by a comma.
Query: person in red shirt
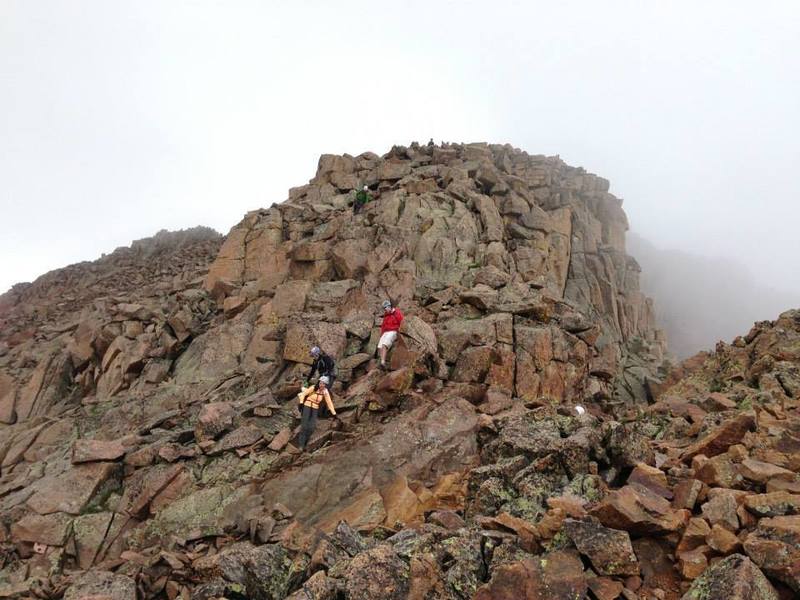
[[392, 319]]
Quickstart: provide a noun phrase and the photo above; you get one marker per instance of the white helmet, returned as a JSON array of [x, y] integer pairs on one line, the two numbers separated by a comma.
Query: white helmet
[[325, 379]]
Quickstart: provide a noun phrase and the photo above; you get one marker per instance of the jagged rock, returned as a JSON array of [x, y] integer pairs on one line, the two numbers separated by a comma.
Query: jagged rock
[[96, 450], [554, 576], [761, 472], [722, 510], [317, 587], [51, 530], [214, 419], [637, 510], [775, 547], [269, 573], [609, 550], [247, 435], [774, 504], [71, 491], [144, 486], [723, 437], [102, 584], [733, 578], [377, 573]]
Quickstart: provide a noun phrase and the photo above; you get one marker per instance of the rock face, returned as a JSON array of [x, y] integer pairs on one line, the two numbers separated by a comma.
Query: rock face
[[148, 427], [517, 264]]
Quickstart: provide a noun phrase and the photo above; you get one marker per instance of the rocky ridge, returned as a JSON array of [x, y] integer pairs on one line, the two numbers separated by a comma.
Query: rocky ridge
[[147, 449]]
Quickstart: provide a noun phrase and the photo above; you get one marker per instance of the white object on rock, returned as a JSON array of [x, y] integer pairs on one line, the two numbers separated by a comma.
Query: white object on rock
[[579, 409]]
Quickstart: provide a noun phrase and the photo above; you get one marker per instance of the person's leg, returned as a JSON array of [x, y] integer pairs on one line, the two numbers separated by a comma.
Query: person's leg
[[312, 423], [305, 427], [382, 354]]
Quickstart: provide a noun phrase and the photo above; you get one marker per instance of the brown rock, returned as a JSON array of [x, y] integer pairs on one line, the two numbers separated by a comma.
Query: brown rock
[[377, 573], [447, 519], [734, 578], [773, 505], [719, 471], [694, 535], [720, 439], [604, 588], [686, 493], [8, 398], [722, 540], [280, 440], [101, 585], [243, 436], [50, 530], [636, 509], [552, 576], [652, 478], [213, 420], [71, 491], [721, 510], [96, 450], [775, 547], [716, 402], [692, 563], [609, 550], [89, 533], [144, 485], [761, 472], [233, 305]]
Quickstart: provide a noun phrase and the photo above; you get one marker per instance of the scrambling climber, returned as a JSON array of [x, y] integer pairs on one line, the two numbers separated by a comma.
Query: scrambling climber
[[362, 197], [309, 400], [392, 319], [323, 364]]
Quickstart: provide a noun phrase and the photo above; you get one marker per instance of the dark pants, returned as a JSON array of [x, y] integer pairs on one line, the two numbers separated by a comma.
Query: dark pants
[[357, 206], [308, 424]]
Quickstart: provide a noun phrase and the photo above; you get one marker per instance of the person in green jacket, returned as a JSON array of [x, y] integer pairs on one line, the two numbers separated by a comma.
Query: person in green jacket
[[362, 197]]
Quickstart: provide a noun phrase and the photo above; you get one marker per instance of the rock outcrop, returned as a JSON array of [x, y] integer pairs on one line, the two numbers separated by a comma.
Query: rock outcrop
[[148, 427]]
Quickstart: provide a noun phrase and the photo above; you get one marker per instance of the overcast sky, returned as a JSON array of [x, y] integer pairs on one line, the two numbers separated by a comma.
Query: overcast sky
[[118, 119]]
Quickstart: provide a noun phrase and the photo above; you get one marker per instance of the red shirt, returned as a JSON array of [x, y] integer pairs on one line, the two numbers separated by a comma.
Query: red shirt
[[392, 321]]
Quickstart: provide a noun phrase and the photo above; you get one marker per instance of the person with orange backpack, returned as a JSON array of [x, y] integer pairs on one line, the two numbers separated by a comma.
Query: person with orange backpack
[[309, 400]]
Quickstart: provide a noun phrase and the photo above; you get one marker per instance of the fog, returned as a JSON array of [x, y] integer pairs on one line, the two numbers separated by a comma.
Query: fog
[[118, 119], [701, 300]]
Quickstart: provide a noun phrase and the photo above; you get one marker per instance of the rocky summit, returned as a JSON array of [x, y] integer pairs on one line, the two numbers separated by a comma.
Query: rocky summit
[[528, 439]]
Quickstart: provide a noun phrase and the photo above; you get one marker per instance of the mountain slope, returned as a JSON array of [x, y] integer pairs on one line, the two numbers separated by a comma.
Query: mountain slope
[[148, 419]]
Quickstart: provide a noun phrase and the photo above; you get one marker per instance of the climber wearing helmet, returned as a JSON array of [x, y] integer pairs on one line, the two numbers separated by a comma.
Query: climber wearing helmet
[[392, 319], [323, 364], [362, 197], [309, 400]]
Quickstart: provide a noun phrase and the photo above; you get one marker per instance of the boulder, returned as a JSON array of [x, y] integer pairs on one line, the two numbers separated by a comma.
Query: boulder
[[96, 585], [733, 578], [377, 573], [96, 450], [775, 547], [552, 576], [214, 419], [71, 491], [50, 530], [721, 438], [609, 550], [637, 510]]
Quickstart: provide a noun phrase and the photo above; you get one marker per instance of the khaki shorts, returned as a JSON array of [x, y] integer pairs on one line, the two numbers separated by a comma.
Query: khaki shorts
[[387, 339]]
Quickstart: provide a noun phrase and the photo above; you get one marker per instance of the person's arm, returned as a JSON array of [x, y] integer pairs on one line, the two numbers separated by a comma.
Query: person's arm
[[303, 393], [329, 402], [313, 369]]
